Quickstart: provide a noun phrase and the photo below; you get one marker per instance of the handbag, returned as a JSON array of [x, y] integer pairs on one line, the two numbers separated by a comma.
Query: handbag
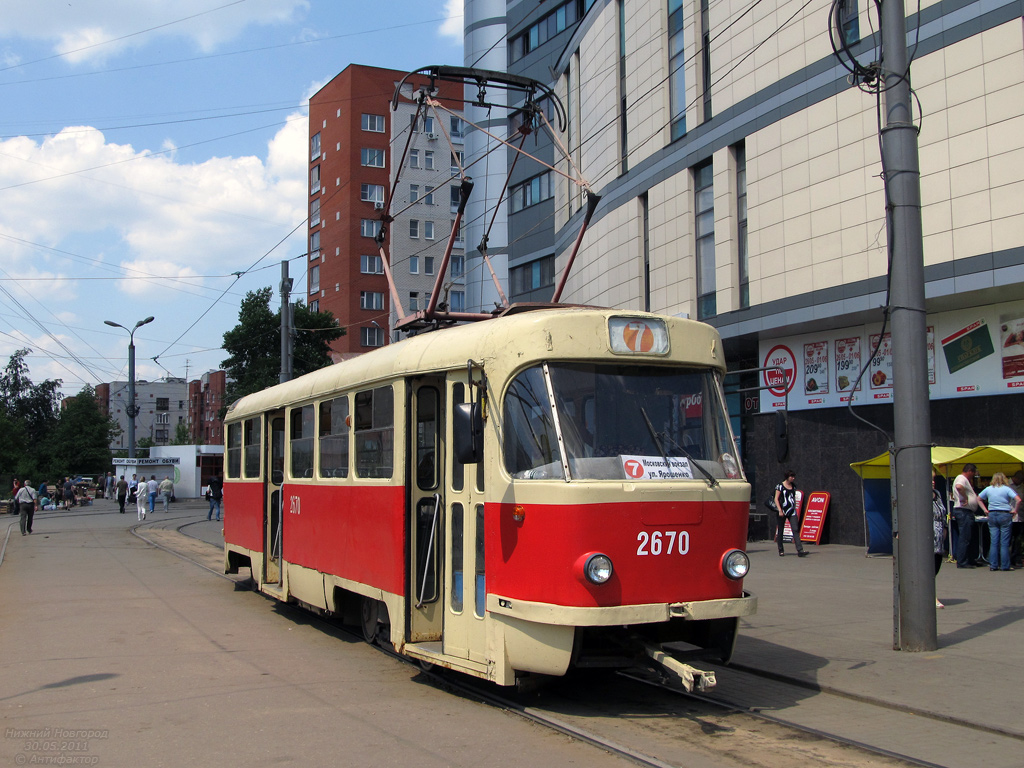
[[770, 503]]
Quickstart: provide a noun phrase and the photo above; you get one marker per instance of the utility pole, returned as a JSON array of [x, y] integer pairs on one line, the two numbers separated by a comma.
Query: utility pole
[[913, 567], [286, 325]]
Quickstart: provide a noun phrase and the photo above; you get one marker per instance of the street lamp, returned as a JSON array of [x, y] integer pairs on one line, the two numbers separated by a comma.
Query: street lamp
[[132, 410]]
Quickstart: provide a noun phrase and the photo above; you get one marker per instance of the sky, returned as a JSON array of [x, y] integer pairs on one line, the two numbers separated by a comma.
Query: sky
[[154, 160]]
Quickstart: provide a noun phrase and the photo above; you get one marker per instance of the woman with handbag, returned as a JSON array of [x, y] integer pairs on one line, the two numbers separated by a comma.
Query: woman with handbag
[[785, 503]]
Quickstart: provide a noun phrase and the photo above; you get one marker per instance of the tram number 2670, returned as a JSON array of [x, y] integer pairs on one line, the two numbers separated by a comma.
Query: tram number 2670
[[663, 543]]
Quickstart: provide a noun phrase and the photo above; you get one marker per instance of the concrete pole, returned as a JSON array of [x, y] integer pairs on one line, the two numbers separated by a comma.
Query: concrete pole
[[286, 325], [131, 396], [915, 578]]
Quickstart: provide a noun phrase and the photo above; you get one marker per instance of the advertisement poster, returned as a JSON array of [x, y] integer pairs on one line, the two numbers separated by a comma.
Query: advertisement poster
[[816, 368], [971, 352], [880, 371], [847, 365]]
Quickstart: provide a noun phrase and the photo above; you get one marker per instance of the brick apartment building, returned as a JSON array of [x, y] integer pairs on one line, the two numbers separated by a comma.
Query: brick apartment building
[[355, 142], [205, 400]]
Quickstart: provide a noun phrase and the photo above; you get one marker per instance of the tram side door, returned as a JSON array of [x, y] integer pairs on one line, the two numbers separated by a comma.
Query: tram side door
[[425, 481], [274, 504], [464, 635]]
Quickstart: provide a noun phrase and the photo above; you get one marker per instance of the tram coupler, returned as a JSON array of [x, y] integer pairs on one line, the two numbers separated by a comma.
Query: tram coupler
[[690, 677]]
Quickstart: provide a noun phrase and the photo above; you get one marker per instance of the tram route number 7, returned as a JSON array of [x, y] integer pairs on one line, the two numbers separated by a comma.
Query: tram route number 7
[[659, 543]]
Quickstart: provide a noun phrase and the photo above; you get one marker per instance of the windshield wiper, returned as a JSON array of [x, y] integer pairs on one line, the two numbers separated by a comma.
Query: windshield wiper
[[661, 448]]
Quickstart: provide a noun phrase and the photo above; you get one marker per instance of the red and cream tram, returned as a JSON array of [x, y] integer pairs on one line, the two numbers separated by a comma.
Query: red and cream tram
[[548, 489]]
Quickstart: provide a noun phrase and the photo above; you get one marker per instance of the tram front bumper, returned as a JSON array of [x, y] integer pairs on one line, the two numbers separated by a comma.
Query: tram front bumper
[[621, 615]]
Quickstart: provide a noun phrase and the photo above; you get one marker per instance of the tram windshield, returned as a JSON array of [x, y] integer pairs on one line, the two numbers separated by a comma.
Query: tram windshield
[[617, 422]]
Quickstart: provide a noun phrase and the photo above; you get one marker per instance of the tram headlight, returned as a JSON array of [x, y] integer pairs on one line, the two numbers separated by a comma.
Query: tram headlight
[[735, 564], [598, 568]]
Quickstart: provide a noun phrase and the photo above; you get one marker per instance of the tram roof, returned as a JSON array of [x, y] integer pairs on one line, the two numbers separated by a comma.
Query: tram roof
[[502, 345]]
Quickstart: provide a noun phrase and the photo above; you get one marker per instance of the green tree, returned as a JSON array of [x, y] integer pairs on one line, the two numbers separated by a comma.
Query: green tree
[[254, 345], [28, 416], [182, 436], [80, 442]]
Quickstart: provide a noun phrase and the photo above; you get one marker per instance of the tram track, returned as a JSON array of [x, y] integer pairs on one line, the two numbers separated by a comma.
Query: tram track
[[635, 717]]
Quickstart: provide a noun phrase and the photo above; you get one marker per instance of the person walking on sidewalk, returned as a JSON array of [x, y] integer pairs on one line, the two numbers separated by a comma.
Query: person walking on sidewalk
[[215, 493], [785, 502], [166, 490], [965, 505], [27, 500], [122, 494], [999, 502], [939, 530], [152, 487]]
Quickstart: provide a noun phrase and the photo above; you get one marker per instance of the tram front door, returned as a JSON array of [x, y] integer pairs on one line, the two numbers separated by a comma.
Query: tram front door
[[273, 505]]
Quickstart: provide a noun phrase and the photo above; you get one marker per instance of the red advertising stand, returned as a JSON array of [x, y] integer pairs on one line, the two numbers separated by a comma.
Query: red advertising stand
[[814, 517]]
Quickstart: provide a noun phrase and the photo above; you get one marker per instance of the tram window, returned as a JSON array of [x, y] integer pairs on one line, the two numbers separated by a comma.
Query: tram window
[[427, 438], [235, 450], [458, 534], [531, 444], [334, 438], [375, 432], [253, 446], [300, 439], [481, 591], [458, 468]]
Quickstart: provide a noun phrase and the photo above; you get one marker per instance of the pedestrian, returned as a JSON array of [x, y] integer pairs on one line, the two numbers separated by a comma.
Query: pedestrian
[[108, 491], [999, 502], [15, 487], [939, 531], [214, 493], [122, 494], [785, 502], [27, 500], [965, 506], [140, 501], [152, 488], [69, 493], [1017, 525], [166, 490]]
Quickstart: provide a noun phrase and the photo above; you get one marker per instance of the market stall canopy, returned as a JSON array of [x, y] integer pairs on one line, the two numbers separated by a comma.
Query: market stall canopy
[[990, 459], [942, 457]]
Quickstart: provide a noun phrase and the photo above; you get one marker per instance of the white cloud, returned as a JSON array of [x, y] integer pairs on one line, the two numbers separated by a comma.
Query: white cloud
[[453, 26], [85, 31]]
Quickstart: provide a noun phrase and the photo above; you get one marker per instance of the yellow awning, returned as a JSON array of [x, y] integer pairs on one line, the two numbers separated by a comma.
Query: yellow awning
[[990, 459], [943, 458]]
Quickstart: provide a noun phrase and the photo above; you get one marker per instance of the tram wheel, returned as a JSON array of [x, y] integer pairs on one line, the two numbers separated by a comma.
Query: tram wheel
[[427, 666], [369, 615]]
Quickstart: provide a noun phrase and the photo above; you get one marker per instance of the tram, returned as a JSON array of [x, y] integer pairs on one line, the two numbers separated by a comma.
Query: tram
[[545, 490]]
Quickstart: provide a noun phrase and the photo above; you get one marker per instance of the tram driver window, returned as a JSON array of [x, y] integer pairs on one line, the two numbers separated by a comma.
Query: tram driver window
[[301, 441], [334, 437], [235, 450], [375, 432]]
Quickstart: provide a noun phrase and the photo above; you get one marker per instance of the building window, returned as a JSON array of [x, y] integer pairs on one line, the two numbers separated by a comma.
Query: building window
[[455, 196], [369, 227], [163, 403], [458, 127], [676, 68], [373, 158], [371, 265], [163, 418], [428, 195], [428, 263], [371, 193], [541, 31], [458, 265], [458, 301], [849, 21], [428, 159], [314, 245], [705, 58], [458, 160], [371, 337], [373, 123], [314, 278], [428, 124], [414, 227], [704, 213], [414, 158], [314, 147], [371, 300], [428, 230], [414, 193], [314, 179], [530, 192], [314, 212], [314, 306], [533, 276], [414, 301], [741, 224], [414, 265]]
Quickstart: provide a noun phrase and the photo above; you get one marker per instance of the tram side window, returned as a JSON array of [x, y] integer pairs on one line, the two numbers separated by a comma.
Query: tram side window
[[427, 438], [375, 432], [234, 450], [480, 601], [530, 442], [458, 542], [253, 442], [458, 468], [301, 441], [334, 438]]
